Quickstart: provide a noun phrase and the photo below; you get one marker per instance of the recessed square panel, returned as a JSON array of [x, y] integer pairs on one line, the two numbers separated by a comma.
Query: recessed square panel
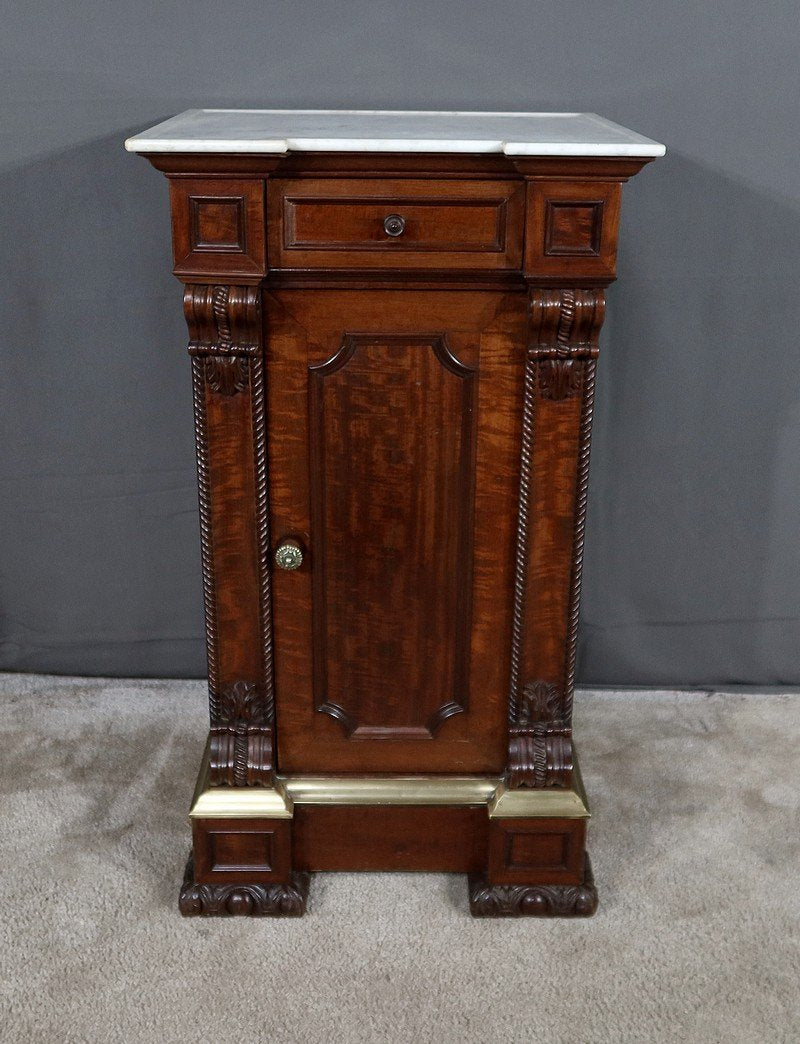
[[241, 850], [217, 223], [536, 850], [245, 850], [573, 228], [218, 227], [539, 851]]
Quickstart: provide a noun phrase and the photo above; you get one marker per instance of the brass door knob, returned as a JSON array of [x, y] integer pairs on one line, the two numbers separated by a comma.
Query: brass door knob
[[394, 225], [289, 554]]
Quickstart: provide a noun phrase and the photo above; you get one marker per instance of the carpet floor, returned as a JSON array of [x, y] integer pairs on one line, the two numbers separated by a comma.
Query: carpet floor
[[694, 842]]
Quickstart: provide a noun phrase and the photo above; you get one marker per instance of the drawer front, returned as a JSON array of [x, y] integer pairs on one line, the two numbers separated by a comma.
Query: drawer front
[[410, 224]]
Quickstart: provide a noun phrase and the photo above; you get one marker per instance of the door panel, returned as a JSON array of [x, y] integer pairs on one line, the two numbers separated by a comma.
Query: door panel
[[393, 442], [392, 424]]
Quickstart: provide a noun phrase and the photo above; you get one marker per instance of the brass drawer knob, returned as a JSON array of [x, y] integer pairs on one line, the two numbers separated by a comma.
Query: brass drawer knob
[[394, 225], [289, 554]]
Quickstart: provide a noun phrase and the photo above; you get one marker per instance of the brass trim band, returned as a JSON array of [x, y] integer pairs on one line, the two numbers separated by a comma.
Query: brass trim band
[[391, 790], [277, 803]]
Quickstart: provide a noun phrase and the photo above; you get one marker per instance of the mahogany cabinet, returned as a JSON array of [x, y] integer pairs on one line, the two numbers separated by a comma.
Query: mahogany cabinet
[[393, 331]]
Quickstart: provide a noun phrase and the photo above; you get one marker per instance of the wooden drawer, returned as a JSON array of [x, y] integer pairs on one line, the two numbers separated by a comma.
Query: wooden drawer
[[409, 224]]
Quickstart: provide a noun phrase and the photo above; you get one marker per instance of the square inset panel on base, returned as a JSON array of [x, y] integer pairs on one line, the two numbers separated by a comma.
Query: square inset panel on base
[[539, 850], [244, 850]]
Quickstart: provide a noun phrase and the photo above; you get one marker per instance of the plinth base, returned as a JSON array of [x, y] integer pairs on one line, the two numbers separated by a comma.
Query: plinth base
[[243, 900], [540, 900], [254, 847]]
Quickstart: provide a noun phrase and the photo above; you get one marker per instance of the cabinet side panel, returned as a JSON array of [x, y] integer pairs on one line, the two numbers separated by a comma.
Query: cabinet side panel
[[233, 536], [553, 510], [402, 837]]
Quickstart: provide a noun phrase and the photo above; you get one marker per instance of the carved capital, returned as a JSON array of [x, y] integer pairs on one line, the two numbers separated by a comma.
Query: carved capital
[[565, 324], [223, 320], [224, 333], [563, 329], [241, 736]]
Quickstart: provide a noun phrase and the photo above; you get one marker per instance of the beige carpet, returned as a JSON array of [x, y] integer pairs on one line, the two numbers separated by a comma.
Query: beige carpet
[[695, 849]]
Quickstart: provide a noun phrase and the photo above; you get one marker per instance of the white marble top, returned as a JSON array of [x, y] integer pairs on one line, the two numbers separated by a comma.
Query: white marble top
[[323, 130]]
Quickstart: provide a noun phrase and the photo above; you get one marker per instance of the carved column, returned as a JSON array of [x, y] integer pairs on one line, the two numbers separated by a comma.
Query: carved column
[[558, 400], [226, 348]]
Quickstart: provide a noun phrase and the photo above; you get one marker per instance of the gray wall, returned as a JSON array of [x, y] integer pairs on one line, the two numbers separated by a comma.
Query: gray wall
[[693, 560]]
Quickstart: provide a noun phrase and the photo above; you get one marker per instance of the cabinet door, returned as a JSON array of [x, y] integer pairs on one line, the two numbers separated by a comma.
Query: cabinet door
[[393, 435]]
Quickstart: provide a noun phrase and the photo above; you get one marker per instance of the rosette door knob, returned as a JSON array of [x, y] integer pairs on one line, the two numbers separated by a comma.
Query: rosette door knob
[[289, 554]]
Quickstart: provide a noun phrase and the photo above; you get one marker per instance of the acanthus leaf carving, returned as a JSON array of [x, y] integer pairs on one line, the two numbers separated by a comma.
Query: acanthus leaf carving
[[560, 377], [488, 900], [541, 702], [244, 705], [243, 900], [241, 736], [227, 374]]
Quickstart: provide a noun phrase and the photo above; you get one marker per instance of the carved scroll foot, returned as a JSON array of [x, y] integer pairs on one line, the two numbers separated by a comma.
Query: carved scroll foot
[[243, 900], [487, 900]]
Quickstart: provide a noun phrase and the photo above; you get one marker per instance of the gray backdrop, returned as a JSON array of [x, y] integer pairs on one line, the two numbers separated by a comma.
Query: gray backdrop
[[692, 572]]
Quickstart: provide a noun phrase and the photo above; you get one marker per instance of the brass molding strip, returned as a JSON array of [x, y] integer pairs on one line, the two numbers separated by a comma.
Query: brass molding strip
[[554, 802], [238, 802], [491, 791], [391, 790]]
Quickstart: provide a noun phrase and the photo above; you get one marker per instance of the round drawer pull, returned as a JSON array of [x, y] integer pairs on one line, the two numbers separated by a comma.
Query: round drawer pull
[[394, 225], [289, 554]]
